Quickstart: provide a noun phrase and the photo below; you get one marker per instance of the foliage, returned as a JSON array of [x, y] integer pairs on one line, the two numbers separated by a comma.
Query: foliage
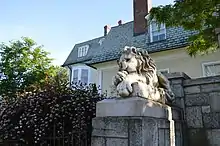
[[57, 108], [201, 16], [23, 63]]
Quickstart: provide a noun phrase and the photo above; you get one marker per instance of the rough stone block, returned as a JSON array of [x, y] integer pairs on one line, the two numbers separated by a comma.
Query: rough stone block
[[163, 123], [199, 99], [161, 137], [179, 102], [214, 137], [167, 137], [206, 109], [179, 138], [116, 142], [135, 132], [211, 120], [198, 137], [194, 117], [164, 137], [150, 134], [192, 89], [210, 87], [178, 90], [107, 126], [97, 141], [215, 101], [176, 81]]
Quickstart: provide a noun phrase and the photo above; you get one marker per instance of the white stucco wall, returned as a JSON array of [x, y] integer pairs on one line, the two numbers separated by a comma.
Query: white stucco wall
[[175, 60]]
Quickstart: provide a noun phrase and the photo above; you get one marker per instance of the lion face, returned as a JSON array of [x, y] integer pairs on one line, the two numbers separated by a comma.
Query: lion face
[[136, 60], [128, 62]]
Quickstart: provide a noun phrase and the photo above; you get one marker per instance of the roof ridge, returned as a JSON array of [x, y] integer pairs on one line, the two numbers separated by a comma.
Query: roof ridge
[[90, 40], [122, 24]]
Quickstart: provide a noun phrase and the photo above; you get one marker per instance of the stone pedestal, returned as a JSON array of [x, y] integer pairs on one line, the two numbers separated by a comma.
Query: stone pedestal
[[136, 122]]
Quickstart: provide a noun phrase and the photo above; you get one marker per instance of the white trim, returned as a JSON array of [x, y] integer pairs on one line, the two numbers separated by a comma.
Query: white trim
[[164, 69], [208, 63], [100, 76], [108, 67]]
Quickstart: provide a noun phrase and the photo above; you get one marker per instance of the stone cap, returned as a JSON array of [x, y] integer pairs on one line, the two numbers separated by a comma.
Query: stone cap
[[176, 75], [202, 81], [135, 107]]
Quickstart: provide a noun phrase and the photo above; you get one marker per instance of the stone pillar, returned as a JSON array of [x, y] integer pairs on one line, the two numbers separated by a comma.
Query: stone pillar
[[136, 121], [176, 80]]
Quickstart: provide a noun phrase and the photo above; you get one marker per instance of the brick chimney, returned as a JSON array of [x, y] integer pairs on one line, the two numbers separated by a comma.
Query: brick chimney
[[107, 28], [140, 9]]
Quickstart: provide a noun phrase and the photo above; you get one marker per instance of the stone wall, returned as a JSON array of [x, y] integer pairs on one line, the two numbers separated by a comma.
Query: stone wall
[[136, 122], [133, 131], [200, 101]]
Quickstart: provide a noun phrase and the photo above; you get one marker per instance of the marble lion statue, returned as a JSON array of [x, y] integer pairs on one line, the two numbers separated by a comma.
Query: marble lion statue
[[138, 76]]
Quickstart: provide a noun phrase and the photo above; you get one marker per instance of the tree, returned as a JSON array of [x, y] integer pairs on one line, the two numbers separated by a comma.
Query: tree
[[24, 65], [201, 16]]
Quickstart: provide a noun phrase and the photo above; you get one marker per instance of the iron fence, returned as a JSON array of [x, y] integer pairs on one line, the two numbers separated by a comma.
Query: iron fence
[[74, 138]]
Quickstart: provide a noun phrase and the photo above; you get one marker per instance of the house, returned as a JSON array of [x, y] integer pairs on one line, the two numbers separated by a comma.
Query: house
[[94, 61]]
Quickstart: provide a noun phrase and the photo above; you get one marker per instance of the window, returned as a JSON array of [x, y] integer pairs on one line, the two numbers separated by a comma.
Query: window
[[157, 33], [82, 51], [75, 76], [164, 71], [211, 68], [84, 76], [81, 74]]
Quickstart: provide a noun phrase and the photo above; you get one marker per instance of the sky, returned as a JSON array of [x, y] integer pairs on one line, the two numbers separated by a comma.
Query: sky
[[59, 24]]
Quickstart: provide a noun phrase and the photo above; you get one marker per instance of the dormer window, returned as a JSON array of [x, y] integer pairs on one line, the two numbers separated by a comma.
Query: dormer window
[[157, 33], [82, 51]]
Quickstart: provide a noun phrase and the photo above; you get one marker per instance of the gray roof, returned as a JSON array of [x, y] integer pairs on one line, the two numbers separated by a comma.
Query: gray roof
[[120, 36]]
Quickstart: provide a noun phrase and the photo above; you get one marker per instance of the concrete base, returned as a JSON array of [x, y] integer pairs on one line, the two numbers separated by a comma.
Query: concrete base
[[134, 107], [136, 122]]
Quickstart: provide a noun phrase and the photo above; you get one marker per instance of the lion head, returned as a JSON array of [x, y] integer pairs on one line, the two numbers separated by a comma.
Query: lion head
[[136, 60]]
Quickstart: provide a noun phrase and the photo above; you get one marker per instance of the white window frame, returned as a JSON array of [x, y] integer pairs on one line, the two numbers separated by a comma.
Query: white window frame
[[164, 69], [151, 31], [80, 68], [206, 64], [73, 75], [83, 50]]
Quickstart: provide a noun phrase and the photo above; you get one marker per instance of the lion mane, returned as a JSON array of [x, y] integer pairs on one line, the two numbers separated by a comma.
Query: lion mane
[[147, 68], [146, 65]]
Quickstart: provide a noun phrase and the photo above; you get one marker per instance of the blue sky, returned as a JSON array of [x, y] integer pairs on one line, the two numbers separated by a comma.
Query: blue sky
[[59, 24]]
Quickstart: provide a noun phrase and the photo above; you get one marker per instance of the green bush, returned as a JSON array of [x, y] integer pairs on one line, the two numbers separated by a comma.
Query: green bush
[[33, 116]]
